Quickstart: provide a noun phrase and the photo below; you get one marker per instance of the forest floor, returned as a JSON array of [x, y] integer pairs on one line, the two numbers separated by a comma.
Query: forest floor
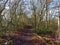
[[25, 36]]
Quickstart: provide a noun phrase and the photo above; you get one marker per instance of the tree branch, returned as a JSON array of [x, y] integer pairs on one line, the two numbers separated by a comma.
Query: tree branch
[[4, 7]]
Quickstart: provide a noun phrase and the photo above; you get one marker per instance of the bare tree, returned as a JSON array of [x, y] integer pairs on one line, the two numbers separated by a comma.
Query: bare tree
[[2, 7]]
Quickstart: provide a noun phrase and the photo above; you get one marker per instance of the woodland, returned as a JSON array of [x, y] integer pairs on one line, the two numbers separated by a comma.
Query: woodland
[[29, 22]]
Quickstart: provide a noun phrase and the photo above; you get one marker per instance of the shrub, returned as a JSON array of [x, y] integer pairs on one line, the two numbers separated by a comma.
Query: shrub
[[42, 31], [58, 41]]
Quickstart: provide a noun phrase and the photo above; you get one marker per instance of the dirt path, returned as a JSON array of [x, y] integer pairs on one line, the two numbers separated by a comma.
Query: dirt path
[[24, 36]]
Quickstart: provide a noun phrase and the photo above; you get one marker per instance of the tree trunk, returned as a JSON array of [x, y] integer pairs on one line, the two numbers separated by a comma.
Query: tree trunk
[[59, 25], [59, 18]]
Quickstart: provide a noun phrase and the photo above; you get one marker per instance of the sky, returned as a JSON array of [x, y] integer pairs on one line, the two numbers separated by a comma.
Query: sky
[[53, 4]]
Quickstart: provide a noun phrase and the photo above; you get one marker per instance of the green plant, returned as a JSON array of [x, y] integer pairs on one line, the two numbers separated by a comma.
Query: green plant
[[58, 41], [42, 30]]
